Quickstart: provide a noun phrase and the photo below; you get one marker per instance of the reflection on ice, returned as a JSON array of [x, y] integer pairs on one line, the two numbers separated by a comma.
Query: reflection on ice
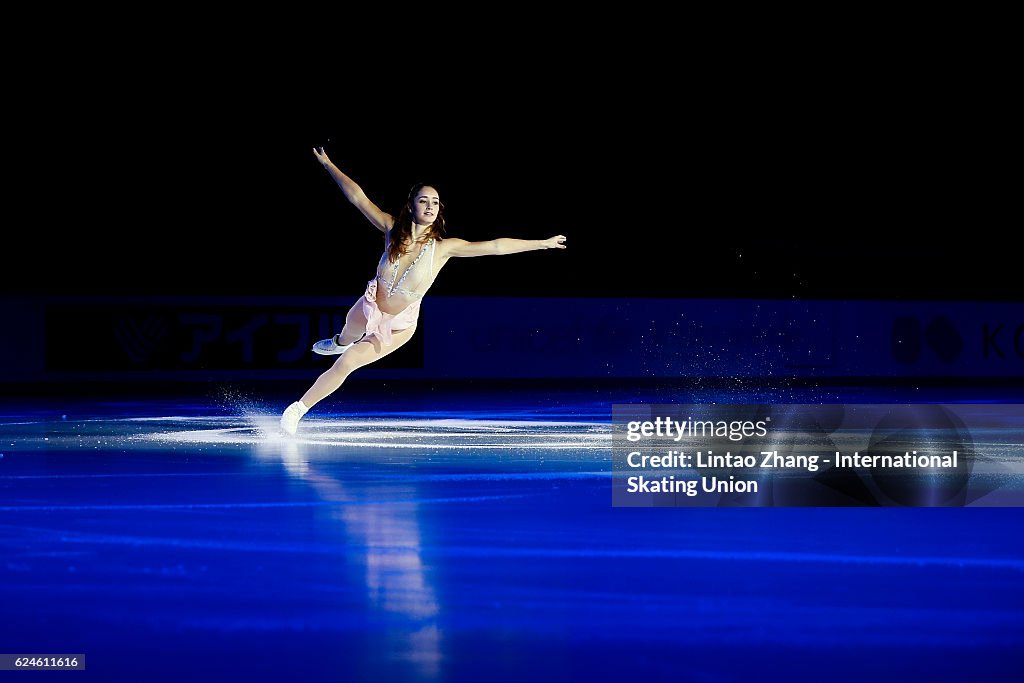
[[396, 580]]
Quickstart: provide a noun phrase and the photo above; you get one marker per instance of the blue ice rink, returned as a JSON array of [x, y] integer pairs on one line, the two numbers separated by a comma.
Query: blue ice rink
[[423, 534]]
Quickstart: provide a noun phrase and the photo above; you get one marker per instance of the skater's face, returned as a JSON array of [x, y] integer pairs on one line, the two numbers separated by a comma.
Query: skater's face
[[425, 206]]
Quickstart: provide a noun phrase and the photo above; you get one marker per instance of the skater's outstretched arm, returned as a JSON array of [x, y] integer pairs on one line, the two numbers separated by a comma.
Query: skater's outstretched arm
[[382, 221], [503, 245]]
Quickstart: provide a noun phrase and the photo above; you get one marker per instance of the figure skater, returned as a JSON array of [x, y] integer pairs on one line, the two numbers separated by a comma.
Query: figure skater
[[384, 318]]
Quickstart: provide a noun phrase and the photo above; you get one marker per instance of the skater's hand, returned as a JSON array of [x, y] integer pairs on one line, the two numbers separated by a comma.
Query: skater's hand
[[321, 156], [555, 242]]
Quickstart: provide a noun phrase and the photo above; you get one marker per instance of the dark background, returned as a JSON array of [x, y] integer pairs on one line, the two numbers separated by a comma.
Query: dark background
[[806, 187]]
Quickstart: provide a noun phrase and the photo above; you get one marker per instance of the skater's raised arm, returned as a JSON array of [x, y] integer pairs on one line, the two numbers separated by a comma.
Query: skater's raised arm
[[382, 221], [499, 247]]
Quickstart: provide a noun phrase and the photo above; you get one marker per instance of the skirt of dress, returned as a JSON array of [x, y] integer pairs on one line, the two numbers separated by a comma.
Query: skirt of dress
[[380, 324]]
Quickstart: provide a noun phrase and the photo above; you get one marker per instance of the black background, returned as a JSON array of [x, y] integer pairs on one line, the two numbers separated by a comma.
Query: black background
[[200, 181]]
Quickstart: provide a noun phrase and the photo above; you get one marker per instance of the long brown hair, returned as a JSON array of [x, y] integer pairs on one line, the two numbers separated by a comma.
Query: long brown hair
[[402, 229]]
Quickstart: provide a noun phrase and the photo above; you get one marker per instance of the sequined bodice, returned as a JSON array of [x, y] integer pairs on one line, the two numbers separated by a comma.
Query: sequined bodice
[[393, 285]]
